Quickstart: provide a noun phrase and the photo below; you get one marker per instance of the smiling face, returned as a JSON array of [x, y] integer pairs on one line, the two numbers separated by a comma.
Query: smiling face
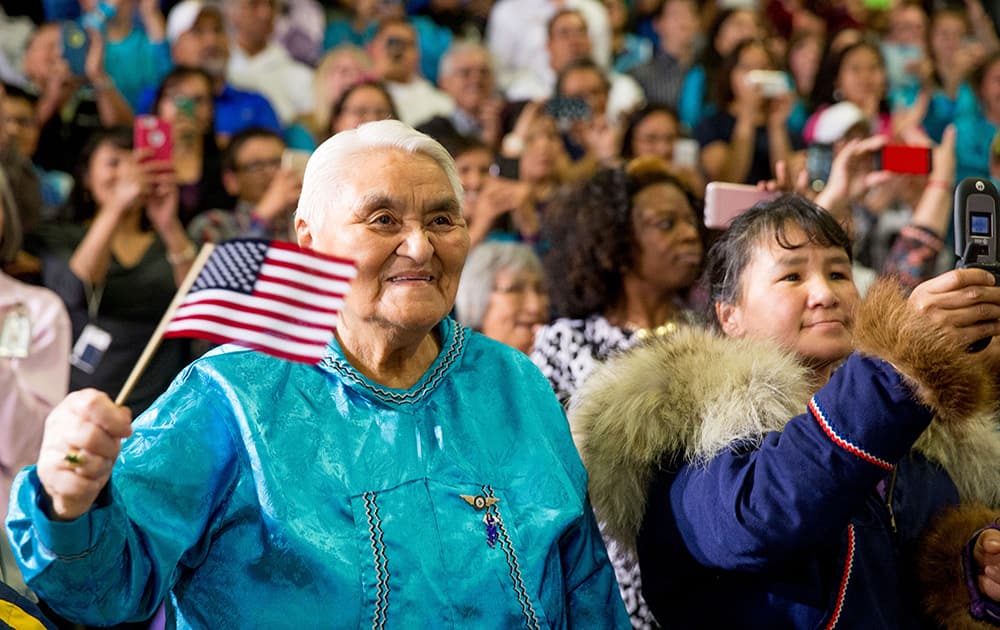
[[803, 298], [107, 166], [399, 220]]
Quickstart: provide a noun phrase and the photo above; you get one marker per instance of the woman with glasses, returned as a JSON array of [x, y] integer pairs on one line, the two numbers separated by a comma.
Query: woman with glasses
[[502, 293]]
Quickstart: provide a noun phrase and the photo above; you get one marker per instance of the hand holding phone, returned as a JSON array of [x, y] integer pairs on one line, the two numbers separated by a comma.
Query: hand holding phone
[[153, 134], [724, 202], [976, 215]]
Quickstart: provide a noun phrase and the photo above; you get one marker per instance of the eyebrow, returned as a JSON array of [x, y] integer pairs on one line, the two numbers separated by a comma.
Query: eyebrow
[[369, 202], [798, 259]]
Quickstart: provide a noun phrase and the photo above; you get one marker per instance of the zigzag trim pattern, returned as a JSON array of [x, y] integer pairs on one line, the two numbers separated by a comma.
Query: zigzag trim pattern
[[381, 562], [857, 451], [842, 592], [454, 348], [530, 618]]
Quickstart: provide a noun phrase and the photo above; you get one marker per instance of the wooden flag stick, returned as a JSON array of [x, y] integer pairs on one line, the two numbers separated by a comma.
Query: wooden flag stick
[[154, 341]]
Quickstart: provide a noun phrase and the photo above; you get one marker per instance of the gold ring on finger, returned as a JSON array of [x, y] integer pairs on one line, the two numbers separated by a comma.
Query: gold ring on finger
[[74, 458]]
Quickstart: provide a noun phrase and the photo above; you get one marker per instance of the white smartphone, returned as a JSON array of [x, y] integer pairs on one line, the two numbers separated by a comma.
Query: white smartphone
[[724, 202], [686, 153], [771, 83]]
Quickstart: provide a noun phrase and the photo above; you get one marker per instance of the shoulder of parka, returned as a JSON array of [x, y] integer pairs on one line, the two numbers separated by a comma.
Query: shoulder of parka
[[681, 398]]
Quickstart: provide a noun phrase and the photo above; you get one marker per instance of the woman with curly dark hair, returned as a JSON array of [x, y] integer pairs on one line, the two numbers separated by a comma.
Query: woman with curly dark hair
[[625, 245]]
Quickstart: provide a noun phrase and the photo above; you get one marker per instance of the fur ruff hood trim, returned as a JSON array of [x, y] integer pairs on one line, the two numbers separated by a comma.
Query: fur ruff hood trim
[[696, 393]]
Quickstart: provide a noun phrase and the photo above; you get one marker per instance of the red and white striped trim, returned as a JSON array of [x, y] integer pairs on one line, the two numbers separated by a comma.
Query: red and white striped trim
[[842, 592], [841, 442]]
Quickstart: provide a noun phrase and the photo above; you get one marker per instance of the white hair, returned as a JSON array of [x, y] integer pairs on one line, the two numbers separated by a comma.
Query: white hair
[[479, 276], [459, 48], [336, 161]]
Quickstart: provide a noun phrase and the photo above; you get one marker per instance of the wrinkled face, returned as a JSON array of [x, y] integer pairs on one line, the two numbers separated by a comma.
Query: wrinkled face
[[399, 220], [188, 105], [543, 149], [257, 161], [365, 104], [588, 84], [394, 53], [568, 40], [802, 298], [654, 135], [470, 81], [204, 46], [861, 77], [668, 248], [20, 124], [739, 26], [473, 170], [107, 165], [518, 307]]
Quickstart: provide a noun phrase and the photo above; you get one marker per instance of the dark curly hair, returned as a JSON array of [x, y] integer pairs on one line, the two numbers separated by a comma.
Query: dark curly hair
[[588, 228]]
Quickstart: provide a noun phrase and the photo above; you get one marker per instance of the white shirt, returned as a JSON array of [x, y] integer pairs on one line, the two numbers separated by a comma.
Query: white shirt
[[418, 101], [518, 29], [286, 83]]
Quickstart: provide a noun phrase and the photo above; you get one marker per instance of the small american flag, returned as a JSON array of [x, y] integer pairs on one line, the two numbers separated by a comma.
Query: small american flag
[[266, 295]]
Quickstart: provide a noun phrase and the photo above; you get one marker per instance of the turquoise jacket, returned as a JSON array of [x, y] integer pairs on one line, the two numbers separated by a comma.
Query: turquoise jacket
[[261, 493]]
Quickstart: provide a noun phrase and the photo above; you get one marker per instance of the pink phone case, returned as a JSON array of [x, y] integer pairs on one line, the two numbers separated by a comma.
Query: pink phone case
[[153, 133], [724, 202]]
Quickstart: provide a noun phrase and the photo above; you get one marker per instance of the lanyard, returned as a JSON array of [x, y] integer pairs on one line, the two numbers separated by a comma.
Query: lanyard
[[94, 294]]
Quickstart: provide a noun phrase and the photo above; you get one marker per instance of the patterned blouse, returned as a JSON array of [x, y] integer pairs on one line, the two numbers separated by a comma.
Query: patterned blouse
[[567, 351]]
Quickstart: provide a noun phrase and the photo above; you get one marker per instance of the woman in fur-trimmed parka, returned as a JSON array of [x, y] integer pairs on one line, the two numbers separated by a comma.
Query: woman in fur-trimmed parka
[[788, 473]]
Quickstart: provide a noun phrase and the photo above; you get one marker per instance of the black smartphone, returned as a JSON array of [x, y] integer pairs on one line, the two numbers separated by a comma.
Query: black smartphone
[[819, 161], [977, 215], [75, 44], [566, 108]]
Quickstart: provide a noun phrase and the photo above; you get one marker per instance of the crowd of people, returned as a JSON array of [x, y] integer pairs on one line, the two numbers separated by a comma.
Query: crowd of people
[[548, 370]]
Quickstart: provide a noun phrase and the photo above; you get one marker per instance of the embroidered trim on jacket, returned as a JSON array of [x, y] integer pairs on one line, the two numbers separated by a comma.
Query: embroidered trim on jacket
[[841, 442], [842, 592], [530, 617], [381, 562], [455, 345]]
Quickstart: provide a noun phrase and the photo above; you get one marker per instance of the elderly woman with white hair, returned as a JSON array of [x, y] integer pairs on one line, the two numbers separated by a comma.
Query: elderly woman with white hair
[[419, 476], [502, 293]]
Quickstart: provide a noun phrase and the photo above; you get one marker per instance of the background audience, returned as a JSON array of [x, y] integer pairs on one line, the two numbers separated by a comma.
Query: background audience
[[547, 106]]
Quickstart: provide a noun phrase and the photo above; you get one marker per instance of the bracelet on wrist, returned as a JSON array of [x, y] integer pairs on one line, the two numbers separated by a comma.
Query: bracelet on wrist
[[182, 257], [939, 183]]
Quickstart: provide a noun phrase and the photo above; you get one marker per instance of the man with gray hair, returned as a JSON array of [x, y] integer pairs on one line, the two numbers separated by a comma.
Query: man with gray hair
[[466, 75], [420, 475]]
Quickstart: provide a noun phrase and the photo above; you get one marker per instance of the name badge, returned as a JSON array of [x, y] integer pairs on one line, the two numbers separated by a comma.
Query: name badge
[[89, 348], [15, 334]]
